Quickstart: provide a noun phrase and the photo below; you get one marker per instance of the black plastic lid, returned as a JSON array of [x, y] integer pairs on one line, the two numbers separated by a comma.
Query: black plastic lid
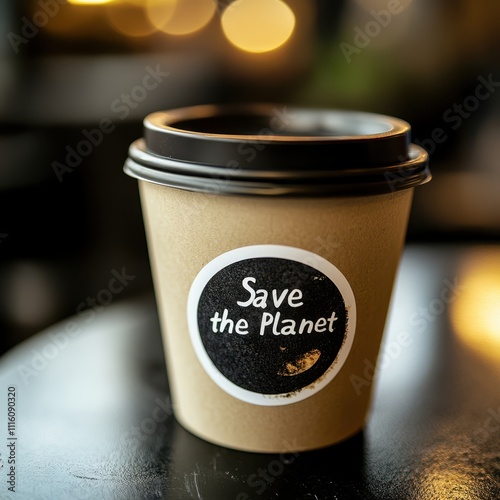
[[264, 149]]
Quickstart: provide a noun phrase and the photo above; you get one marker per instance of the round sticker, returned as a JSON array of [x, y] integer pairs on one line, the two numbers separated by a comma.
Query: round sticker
[[271, 325]]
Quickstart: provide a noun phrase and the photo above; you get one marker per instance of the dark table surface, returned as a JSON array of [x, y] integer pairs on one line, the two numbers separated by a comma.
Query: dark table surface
[[93, 418]]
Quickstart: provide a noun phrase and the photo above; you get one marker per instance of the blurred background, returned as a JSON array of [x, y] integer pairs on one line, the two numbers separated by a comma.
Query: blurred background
[[78, 76]]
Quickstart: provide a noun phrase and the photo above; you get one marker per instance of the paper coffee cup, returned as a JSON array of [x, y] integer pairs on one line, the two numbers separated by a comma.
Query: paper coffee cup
[[274, 236]]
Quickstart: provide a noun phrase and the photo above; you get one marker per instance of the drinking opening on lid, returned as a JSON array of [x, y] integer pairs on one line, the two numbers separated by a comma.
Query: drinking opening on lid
[[313, 124], [276, 122]]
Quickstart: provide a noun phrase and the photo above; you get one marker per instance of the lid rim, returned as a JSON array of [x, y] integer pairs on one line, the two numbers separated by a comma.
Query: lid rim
[[156, 122], [138, 153], [287, 139], [277, 163]]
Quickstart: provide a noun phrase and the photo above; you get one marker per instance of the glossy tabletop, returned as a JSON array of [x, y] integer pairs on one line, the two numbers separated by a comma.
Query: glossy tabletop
[[91, 417]]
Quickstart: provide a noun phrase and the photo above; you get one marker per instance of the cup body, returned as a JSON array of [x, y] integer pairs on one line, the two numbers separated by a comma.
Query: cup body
[[242, 381]]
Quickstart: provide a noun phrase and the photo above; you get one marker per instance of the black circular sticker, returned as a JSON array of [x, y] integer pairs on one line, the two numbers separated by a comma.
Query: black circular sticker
[[271, 324]]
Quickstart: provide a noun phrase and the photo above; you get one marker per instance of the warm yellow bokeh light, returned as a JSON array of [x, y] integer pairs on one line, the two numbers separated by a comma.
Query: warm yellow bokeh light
[[258, 25], [129, 18], [180, 17], [160, 12], [88, 2], [475, 314]]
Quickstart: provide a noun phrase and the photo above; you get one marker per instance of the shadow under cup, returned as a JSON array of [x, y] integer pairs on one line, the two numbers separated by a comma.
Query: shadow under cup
[[274, 236]]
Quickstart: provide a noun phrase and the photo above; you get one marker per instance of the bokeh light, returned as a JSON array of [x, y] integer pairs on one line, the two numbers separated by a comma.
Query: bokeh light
[[180, 17], [475, 314], [129, 18], [258, 25], [160, 12], [88, 2]]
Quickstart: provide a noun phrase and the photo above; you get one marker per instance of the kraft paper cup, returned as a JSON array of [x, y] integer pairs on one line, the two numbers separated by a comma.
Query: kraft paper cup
[[274, 236]]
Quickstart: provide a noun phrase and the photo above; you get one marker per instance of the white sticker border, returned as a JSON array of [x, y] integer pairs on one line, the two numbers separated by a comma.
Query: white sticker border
[[283, 252]]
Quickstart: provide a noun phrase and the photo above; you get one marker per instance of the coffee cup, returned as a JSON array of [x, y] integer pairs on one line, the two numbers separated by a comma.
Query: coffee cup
[[274, 236]]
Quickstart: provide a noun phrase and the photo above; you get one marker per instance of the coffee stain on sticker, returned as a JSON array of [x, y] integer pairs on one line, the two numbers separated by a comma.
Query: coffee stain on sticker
[[301, 364]]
